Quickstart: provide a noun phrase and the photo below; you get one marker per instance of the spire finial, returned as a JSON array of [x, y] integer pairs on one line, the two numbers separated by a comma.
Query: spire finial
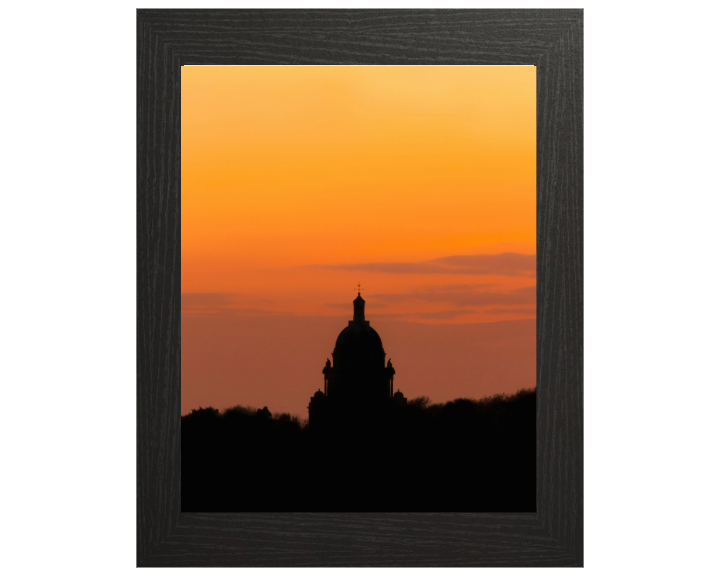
[[359, 305]]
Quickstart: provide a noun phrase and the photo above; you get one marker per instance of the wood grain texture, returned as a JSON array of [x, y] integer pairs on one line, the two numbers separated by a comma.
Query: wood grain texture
[[548, 39]]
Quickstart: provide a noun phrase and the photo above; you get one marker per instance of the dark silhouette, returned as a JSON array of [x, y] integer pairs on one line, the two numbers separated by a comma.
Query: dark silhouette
[[364, 448], [357, 382], [461, 456], [358, 372]]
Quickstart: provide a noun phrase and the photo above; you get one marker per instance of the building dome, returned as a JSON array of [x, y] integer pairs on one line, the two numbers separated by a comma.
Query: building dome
[[399, 399], [358, 344]]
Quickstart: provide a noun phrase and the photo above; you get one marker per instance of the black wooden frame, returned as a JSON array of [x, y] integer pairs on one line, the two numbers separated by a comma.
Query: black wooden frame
[[552, 41]]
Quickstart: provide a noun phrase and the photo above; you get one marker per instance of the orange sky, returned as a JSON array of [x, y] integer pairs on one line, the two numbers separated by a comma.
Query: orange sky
[[298, 182]]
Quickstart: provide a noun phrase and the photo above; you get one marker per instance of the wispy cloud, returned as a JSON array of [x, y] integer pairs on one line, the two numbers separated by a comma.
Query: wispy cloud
[[520, 310], [461, 300], [340, 305], [195, 301], [462, 297], [445, 314], [220, 302], [505, 264]]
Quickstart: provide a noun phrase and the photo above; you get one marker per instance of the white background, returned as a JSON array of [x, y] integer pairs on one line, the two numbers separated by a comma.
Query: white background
[[67, 284]]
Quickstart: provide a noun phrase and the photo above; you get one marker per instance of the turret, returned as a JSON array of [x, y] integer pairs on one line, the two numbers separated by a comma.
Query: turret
[[359, 306]]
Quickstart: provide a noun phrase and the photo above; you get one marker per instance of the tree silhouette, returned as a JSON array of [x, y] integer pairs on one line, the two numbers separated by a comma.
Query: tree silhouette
[[460, 456]]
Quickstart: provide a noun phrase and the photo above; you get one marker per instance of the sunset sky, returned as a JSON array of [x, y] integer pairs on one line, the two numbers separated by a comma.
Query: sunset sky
[[299, 182]]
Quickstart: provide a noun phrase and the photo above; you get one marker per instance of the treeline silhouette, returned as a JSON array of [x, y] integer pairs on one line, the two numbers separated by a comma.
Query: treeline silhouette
[[460, 456]]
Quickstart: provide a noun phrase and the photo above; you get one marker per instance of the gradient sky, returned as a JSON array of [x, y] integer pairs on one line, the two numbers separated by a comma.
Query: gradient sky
[[299, 182]]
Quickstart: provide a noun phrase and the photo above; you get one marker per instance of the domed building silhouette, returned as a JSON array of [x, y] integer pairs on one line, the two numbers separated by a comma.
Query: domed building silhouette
[[358, 376]]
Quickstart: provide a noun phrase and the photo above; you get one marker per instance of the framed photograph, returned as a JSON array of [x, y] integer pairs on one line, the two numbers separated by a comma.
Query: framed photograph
[[359, 288]]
